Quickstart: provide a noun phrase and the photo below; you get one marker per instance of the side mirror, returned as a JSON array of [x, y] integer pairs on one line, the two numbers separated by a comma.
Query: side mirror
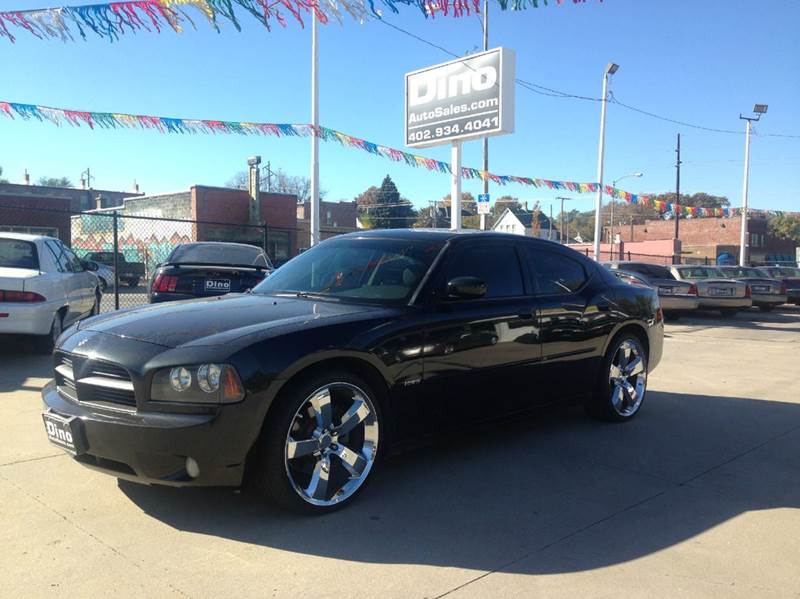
[[466, 288], [89, 265]]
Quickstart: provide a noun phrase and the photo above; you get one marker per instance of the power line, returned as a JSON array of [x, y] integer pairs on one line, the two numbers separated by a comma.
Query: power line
[[556, 93]]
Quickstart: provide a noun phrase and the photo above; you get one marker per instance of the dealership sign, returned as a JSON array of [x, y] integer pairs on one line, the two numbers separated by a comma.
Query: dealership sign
[[463, 99]]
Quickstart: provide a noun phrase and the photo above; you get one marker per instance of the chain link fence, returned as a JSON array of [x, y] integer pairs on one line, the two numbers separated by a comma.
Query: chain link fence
[[127, 248]]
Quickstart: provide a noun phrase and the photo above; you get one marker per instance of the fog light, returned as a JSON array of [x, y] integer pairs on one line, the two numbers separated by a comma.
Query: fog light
[[180, 379], [192, 468]]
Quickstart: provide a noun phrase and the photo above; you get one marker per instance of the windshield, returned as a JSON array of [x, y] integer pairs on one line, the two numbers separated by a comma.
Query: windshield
[[382, 270], [217, 253], [18, 254], [700, 272], [742, 271]]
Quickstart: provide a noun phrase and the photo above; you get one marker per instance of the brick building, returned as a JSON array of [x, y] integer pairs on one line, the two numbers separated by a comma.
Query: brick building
[[335, 218], [44, 210], [703, 238], [226, 213]]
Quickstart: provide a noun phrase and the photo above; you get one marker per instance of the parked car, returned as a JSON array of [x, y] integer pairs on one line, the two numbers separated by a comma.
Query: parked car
[[208, 268], [361, 342], [790, 277], [129, 272], [766, 292], [104, 274], [714, 290], [676, 297], [44, 287]]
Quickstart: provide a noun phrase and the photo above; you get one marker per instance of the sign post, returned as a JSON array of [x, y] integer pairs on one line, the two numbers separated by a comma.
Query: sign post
[[455, 186], [467, 98], [483, 208]]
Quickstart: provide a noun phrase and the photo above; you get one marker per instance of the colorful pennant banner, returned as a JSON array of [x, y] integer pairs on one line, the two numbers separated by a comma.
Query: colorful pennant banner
[[110, 20], [115, 120]]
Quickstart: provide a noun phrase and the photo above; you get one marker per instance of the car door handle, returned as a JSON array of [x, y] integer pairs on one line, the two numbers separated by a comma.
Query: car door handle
[[525, 314]]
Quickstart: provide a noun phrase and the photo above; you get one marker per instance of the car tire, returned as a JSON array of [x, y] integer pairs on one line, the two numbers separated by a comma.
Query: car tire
[[622, 382], [672, 316], [766, 308], [728, 312], [103, 284], [303, 462], [46, 343]]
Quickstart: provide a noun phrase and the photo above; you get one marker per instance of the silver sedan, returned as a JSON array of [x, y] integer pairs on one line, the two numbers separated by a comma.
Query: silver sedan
[[766, 292], [714, 290], [676, 297]]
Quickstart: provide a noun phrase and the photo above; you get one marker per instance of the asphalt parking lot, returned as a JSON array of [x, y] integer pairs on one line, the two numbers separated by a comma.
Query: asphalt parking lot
[[697, 497]]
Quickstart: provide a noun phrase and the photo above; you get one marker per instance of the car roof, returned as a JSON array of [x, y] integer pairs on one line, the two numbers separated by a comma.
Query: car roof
[[441, 235], [23, 236]]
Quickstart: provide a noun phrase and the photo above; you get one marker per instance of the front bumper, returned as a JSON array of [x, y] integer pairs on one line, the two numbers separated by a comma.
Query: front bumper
[[771, 299], [152, 447], [716, 303], [27, 319], [678, 303]]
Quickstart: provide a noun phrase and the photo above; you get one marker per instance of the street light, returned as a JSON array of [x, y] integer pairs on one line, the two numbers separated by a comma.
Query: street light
[[758, 109], [614, 185], [611, 68]]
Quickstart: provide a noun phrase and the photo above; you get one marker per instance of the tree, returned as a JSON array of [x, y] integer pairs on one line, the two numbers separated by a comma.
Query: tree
[[383, 208], [697, 200], [54, 182], [785, 226], [1, 178], [470, 219]]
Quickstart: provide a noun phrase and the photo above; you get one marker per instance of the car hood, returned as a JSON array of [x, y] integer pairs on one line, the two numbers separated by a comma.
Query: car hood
[[222, 320]]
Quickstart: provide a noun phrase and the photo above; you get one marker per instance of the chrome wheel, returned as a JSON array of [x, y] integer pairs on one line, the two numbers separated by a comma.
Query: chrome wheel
[[627, 378], [332, 444]]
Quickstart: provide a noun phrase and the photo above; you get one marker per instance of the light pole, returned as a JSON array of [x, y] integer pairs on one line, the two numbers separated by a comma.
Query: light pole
[[485, 139], [314, 224], [614, 185], [611, 68], [758, 109]]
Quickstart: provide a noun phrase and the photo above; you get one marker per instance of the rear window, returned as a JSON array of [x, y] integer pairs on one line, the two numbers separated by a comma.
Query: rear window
[[699, 272], [222, 254], [15, 253]]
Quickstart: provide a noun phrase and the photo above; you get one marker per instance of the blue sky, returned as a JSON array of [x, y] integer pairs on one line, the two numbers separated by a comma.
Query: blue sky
[[701, 62]]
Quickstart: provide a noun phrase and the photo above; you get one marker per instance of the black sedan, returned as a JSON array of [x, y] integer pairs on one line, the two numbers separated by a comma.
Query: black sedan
[[366, 340], [208, 268]]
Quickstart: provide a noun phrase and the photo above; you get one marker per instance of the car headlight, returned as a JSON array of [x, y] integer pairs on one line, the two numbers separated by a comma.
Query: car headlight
[[201, 383]]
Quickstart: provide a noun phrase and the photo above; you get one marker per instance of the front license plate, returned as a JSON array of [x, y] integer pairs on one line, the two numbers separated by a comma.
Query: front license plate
[[760, 289], [720, 291], [218, 284], [665, 291], [64, 432]]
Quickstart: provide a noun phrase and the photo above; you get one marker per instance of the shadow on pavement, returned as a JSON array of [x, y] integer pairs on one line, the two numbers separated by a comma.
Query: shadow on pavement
[[754, 319], [538, 495], [19, 362]]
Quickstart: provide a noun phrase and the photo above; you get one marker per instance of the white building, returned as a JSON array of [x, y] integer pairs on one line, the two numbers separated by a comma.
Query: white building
[[520, 221]]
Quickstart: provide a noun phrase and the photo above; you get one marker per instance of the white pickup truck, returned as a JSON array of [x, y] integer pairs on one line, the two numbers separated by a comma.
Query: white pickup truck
[[44, 287]]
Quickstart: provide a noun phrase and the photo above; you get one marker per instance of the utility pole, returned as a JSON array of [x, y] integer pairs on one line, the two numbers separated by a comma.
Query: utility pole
[[561, 229], [550, 232], [678, 187], [485, 139]]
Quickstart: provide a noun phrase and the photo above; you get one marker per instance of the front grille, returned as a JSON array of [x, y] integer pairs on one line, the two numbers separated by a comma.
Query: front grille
[[82, 379]]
